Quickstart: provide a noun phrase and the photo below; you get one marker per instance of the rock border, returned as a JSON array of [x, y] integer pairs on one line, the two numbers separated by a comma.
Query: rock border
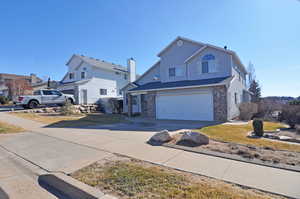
[[232, 157]]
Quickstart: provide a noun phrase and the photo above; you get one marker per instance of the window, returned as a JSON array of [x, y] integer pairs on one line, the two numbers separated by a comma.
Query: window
[[82, 75], [120, 92], [125, 76], [117, 73], [209, 64], [37, 93], [134, 100], [172, 72], [235, 98], [103, 91], [71, 75], [56, 93], [47, 92]]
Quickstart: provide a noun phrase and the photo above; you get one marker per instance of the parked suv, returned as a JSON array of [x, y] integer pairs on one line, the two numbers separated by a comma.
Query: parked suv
[[44, 97]]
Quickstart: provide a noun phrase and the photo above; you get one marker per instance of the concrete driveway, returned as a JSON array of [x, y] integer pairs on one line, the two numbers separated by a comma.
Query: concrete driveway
[[140, 124]]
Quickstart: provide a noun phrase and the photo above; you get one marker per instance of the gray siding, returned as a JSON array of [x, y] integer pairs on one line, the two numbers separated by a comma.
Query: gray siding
[[223, 65], [175, 57], [153, 72]]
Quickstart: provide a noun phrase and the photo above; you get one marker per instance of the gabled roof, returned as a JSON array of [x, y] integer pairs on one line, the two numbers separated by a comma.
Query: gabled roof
[[182, 84], [99, 63], [203, 44]]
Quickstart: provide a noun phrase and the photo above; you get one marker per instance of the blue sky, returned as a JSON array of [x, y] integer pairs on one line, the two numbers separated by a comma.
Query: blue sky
[[40, 36]]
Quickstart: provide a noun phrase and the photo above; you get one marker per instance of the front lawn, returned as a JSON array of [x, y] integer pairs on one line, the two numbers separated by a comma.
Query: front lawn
[[137, 179], [238, 134], [7, 128], [82, 120]]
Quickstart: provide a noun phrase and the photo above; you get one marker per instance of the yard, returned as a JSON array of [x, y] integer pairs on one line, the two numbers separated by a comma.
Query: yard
[[82, 120], [7, 128], [238, 134], [130, 178]]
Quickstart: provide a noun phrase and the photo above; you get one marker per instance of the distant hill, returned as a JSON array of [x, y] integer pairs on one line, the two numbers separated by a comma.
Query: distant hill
[[281, 99]]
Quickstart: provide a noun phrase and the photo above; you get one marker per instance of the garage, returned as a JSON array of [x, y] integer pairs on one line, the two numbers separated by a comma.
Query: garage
[[185, 106]]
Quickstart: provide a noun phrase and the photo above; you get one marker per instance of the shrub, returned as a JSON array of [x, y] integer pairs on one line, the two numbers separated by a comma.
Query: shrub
[[68, 109], [291, 115], [115, 105], [268, 110], [3, 100], [258, 127], [247, 110], [298, 129]]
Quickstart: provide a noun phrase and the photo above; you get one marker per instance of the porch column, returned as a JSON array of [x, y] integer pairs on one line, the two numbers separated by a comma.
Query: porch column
[[129, 97]]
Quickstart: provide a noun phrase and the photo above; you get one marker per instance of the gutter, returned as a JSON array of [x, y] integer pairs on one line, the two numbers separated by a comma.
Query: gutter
[[182, 87]]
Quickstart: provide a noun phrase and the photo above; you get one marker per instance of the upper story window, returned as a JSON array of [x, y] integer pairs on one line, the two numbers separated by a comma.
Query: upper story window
[[208, 64], [71, 75], [125, 76], [82, 75], [175, 71], [103, 91], [172, 72]]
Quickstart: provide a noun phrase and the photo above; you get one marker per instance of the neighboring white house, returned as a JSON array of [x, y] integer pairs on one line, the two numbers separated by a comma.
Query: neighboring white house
[[191, 81], [93, 81]]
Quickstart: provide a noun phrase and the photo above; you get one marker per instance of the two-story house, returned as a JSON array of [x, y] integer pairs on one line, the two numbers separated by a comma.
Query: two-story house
[[91, 80], [191, 81]]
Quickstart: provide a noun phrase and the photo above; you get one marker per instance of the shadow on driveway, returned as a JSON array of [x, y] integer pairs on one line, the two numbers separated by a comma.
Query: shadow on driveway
[[3, 194], [118, 123]]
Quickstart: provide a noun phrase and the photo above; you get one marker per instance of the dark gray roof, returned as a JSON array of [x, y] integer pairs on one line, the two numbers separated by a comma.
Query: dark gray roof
[[185, 83]]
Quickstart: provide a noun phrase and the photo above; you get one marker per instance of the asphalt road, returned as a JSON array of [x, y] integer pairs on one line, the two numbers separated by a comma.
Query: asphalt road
[[9, 108]]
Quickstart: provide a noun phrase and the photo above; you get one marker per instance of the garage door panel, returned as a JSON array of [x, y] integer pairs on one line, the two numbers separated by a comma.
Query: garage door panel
[[185, 107]]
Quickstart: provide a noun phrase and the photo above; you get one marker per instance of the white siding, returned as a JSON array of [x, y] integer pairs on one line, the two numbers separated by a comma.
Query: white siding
[[93, 89]]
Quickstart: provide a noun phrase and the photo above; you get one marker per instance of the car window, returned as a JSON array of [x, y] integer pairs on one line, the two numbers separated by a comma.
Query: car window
[[55, 93], [36, 92], [47, 92]]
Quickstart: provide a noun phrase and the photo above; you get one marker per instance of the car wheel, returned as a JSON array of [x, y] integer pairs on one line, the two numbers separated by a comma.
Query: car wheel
[[33, 104]]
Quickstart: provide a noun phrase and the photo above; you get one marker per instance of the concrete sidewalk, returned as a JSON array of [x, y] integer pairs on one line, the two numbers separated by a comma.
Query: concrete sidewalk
[[133, 144]]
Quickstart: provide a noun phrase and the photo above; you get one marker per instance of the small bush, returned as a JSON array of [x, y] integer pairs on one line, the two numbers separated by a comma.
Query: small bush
[[68, 109], [4, 100], [298, 129], [258, 127], [247, 110], [291, 115]]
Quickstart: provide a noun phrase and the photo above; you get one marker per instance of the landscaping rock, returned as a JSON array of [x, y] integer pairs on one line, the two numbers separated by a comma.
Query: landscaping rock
[[284, 138], [193, 139], [160, 137]]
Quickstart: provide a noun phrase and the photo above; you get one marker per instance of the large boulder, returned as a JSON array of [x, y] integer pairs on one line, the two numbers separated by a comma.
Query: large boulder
[[193, 139], [160, 137]]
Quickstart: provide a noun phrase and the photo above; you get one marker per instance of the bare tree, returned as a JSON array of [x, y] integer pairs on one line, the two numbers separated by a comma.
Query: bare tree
[[251, 74]]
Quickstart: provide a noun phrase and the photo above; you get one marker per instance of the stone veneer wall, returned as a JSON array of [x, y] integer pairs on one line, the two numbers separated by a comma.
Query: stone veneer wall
[[220, 103], [148, 105]]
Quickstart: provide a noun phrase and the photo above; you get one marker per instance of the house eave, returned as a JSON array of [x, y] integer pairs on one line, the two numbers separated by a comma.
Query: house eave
[[179, 87]]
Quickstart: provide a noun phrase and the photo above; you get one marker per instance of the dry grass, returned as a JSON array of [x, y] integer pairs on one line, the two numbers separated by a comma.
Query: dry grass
[[72, 121], [136, 179], [7, 128], [238, 134]]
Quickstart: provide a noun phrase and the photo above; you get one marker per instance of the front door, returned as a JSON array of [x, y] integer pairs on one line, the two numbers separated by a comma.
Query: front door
[[83, 96]]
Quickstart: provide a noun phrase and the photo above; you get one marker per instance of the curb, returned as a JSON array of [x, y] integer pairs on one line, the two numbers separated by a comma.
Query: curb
[[65, 187]]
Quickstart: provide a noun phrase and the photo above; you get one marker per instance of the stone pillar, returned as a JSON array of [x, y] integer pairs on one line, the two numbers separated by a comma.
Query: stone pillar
[[149, 105], [220, 103]]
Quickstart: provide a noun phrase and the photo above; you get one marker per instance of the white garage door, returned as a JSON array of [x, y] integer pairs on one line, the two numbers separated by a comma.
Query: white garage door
[[193, 106]]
